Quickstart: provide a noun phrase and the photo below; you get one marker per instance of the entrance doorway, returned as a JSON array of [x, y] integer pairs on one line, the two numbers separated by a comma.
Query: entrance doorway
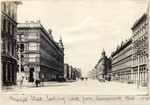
[[31, 79]]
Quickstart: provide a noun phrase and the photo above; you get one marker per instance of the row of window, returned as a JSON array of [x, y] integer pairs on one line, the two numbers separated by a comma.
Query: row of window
[[140, 30], [142, 60], [123, 54], [8, 26], [30, 36], [9, 8], [10, 47]]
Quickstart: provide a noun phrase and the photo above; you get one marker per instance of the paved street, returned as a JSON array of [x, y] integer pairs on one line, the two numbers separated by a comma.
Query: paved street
[[89, 87]]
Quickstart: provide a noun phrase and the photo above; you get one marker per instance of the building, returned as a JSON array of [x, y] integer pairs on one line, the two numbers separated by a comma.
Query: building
[[130, 60], [78, 73], [66, 71], [42, 55], [102, 67], [122, 62], [70, 72], [8, 40], [140, 49]]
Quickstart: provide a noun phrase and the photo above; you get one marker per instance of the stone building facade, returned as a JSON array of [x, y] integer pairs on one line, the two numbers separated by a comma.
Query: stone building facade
[[8, 41], [102, 67], [42, 55], [122, 62], [71, 73], [130, 60], [140, 49]]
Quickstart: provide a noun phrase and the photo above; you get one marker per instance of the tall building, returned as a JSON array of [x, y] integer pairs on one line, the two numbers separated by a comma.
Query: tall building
[[122, 62], [8, 40], [140, 49], [42, 55], [102, 67], [130, 60]]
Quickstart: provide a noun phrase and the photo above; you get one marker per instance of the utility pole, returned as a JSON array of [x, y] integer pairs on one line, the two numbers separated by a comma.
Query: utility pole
[[138, 78]]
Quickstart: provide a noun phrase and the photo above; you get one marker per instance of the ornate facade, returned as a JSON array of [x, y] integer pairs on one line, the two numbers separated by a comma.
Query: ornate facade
[[102, 67], [140, 49], [122, 62], [43, 56], [130, 60], [8, 40]]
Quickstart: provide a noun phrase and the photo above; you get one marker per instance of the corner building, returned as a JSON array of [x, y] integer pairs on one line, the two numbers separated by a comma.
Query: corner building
[[43, 56], [8, 40], [102, 67]]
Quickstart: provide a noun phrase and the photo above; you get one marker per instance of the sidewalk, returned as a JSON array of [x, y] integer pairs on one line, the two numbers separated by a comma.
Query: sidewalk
[[30, 85], [141, 91]]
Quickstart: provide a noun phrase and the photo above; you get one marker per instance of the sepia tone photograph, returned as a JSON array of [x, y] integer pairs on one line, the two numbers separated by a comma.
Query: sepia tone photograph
[[70, 47]]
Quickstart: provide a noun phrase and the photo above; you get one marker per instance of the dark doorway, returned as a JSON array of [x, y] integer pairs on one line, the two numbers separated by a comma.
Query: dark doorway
[[4, 73], [31, 79]]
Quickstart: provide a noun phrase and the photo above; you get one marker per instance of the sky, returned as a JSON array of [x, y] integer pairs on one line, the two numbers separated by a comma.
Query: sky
[[86, 26]]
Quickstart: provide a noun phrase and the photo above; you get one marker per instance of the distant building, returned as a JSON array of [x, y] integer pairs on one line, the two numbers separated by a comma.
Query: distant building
[[78, 73], [102, 67], [70, 72], [122, 62], [8, 40], [42, 55], [66, 71]]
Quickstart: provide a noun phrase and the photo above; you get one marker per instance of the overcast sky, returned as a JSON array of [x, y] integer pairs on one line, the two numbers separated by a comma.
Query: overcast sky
[[87, 27]]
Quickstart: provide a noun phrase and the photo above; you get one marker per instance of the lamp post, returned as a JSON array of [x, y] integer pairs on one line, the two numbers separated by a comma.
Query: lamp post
[[138, 78], [138, 49]]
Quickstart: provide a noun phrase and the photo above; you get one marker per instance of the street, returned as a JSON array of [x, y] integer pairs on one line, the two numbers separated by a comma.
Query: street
[[89, 87]]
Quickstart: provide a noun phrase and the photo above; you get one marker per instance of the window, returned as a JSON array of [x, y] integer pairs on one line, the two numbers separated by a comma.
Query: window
[[22, 37], [32, 36], [33, 46], [13, 49], [4, 25], [5, 7], [13, 29], [33, 57], [8, 46]]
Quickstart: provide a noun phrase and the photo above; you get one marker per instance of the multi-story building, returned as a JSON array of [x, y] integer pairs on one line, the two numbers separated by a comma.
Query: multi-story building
[[66, 71], [140, 49], [103, 66], [70, 72], [42, 55], [78, 73], [130, 60], [8, 40], [122, 62]]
